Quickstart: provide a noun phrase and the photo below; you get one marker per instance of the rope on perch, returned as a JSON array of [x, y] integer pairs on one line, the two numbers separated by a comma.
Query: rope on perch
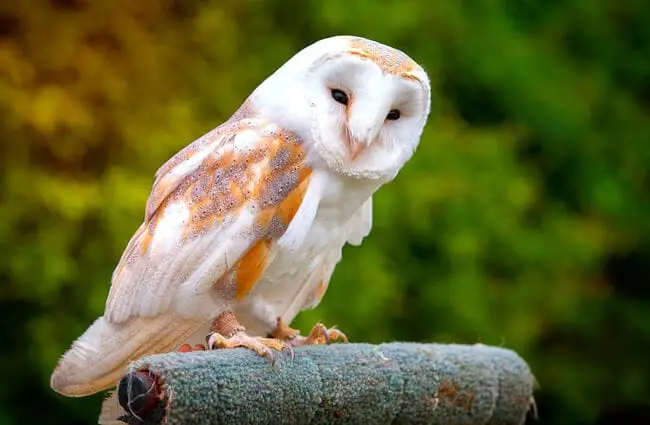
[[391, 383]]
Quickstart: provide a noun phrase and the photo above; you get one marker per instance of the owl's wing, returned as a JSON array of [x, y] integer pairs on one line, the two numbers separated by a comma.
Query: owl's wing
[[215, 211]]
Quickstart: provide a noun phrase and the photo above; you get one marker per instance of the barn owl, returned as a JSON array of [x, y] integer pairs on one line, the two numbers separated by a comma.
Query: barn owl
[[243, 227]]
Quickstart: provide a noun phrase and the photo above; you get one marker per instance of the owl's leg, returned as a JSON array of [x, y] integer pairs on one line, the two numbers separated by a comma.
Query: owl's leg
[[227, 332]]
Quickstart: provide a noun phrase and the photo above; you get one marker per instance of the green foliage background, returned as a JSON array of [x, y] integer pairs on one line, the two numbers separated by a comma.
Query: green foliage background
[[523, 219]]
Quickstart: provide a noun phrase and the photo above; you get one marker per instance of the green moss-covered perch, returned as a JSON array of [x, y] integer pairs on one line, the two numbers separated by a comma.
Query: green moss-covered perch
[[392, 383]]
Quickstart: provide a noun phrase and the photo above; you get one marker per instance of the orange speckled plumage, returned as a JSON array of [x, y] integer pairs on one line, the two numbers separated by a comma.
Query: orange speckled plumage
[[224, 183], [269, 178], [390, 60], [251, 266], [289, 207]]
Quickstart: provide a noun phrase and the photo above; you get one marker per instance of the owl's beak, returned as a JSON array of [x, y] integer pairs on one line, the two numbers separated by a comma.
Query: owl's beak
[[364, 126], [358, 144], [355, 147]]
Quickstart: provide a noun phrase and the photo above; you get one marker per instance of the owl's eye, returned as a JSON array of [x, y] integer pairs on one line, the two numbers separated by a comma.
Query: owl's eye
[[393, 114], [340, 96]]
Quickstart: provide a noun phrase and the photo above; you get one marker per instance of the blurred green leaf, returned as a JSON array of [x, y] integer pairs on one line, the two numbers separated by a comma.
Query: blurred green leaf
[[521, 221]]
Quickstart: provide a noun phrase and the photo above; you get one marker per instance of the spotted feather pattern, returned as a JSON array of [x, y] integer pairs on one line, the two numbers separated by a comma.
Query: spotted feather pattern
[[216, 210], [389, 59]]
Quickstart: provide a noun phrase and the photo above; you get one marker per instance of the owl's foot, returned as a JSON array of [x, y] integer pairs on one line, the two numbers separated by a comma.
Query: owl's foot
[[283, 331], [227, 332], [264, 347], [319, 335]]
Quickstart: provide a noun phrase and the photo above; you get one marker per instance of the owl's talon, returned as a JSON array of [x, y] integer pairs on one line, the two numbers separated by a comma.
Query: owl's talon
[[264, 347], [334, 334], [320, 335], [283, 331], [289, 349]]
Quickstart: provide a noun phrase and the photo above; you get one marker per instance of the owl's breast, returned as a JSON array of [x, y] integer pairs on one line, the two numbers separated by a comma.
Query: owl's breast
[[293, 276], [297, 278]]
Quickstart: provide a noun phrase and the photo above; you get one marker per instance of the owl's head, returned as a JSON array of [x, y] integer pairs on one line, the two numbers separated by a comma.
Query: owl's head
[[361, 104]]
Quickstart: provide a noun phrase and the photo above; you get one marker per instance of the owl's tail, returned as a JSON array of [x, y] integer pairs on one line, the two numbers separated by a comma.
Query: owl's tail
[[98, 359]]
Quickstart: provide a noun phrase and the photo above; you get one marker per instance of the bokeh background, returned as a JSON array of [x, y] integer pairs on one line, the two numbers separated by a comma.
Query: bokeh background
[[522, 221]]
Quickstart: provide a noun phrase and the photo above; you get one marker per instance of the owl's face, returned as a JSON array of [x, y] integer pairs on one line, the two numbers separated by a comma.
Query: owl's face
[[363, 104]]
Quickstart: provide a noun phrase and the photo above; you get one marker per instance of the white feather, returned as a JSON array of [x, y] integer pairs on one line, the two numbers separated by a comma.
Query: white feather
[[360, 224], [233, 242], [97, 360], [302, 222], [246, 140], [169, 229]]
